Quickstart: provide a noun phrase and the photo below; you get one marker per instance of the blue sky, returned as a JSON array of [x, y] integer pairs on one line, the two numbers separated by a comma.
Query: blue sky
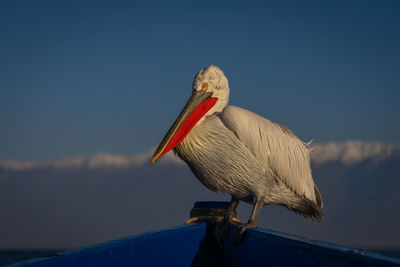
[[78, 77]]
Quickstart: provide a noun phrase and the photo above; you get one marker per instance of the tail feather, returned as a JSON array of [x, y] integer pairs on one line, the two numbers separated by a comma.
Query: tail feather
[[285, 196], [318, 197], [309, 209]]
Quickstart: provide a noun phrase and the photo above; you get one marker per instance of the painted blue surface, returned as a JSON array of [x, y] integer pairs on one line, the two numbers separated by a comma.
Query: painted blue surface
[[193, 246], [172, 247], [266, 247]]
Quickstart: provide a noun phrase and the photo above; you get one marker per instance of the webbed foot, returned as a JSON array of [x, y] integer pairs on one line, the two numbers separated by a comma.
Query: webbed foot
[[238, 235], [222, 229], [210, 219]]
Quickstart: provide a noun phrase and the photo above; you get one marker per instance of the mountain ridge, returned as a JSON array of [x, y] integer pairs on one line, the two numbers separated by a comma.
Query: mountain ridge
[[348, 152], [101, 198]]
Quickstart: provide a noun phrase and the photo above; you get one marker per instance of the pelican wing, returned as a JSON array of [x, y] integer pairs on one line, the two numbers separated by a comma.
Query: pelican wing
[[274, 147]]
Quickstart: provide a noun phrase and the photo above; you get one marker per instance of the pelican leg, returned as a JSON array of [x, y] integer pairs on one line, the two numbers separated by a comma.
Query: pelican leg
[[252, 223], [231, 210], [222, 229]]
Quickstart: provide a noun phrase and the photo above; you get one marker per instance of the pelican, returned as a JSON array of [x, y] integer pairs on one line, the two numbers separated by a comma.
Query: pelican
[[237, 152]]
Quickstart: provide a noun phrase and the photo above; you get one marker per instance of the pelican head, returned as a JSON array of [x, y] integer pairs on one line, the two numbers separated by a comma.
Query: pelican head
[[210, 94], [215, 82]]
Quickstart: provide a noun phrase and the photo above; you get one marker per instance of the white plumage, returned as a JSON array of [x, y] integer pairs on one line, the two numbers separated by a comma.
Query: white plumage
[[235, 151], [274, 146]]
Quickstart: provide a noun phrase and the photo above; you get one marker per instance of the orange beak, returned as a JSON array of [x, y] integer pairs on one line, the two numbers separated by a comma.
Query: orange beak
[[197, 106]]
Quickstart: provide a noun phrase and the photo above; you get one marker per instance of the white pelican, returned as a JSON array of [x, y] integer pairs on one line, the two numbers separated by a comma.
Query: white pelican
[[234, 151]]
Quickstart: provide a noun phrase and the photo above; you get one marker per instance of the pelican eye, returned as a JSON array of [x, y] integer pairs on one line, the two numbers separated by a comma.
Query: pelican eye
[[204, 86]]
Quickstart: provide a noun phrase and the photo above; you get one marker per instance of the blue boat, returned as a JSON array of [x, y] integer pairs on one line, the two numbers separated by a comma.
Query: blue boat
[[193, 245]]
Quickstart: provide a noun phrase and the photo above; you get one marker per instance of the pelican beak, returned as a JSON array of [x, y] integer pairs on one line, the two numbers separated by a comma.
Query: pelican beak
[[197, 106]]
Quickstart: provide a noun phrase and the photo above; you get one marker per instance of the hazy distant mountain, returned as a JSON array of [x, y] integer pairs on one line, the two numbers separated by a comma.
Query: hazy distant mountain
[[84, 200]]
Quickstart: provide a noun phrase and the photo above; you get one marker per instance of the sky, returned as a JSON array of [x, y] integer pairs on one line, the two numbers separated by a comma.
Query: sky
[[80, 77]]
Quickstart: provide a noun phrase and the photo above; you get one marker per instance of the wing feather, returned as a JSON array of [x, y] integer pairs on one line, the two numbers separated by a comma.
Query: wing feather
[[275, 147]]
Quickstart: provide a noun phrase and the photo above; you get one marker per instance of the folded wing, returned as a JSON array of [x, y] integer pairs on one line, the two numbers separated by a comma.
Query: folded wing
[[274, 147]]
